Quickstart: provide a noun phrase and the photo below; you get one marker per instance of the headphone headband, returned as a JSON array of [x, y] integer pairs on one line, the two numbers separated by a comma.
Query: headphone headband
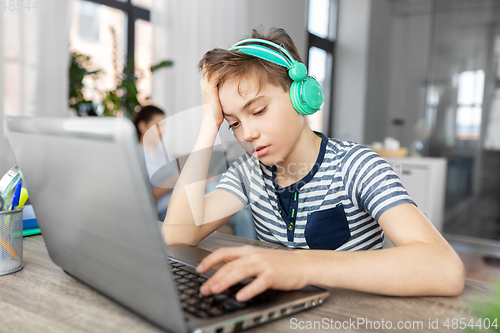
[[263, 52], [281, 52]]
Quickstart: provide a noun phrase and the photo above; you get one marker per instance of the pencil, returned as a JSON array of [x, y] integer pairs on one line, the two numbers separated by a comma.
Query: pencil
[[8, 247]]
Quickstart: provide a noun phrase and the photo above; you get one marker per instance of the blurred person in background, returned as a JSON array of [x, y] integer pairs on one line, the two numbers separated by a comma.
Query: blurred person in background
[[161, 168]]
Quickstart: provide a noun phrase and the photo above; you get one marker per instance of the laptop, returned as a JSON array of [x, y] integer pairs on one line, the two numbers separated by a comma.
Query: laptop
[[88, 185]]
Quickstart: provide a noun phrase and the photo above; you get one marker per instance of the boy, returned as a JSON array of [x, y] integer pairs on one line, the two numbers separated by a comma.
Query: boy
[[305, 191]]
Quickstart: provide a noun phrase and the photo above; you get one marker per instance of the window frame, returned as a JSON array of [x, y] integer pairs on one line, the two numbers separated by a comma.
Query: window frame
[[133, 13], [328, 45]]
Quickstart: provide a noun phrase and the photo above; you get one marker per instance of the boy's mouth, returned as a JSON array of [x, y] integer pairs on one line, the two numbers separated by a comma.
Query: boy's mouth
[[261, 150]]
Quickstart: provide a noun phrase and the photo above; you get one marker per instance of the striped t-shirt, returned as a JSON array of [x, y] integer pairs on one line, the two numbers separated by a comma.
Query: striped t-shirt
[[335, 206]]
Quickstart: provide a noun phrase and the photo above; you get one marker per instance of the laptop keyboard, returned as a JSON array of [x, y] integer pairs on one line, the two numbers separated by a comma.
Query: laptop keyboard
[[188, 285]]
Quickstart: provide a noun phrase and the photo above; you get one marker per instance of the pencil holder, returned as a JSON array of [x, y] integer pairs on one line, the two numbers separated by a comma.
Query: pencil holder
[[11, 241]]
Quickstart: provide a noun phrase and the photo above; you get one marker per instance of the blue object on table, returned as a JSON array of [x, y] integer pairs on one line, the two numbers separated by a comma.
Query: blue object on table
[[29, 218], [17, 195]]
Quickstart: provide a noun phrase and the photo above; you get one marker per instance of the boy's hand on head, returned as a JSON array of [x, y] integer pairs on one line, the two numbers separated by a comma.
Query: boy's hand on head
[[275, 269], [210, 96]]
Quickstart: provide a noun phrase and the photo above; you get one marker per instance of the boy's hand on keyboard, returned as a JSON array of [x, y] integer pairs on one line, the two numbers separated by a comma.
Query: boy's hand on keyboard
[[275, 269]]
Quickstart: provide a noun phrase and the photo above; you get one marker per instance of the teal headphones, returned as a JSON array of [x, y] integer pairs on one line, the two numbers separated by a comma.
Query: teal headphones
[[305, 92]]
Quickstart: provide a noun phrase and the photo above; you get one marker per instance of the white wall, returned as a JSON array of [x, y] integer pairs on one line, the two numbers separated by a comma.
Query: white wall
[[290, 15], [376, 124], [351, 63], [34, 66], [6, 156]]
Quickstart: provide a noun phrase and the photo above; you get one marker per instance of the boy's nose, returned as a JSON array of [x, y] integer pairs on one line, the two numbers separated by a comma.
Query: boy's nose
[[250, 134]]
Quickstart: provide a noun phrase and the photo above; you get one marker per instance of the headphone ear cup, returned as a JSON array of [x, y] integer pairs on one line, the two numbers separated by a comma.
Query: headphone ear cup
[[306, 96], [295, 97]]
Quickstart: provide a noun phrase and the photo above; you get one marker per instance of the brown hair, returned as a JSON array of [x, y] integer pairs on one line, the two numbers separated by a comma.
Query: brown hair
[[146, 114], [230, 64]]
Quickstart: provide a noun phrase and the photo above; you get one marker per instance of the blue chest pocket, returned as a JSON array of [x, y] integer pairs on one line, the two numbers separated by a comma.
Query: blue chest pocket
[[327, 229]]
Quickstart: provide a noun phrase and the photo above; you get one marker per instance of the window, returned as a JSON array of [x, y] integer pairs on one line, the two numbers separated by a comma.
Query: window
[[469, 105], [112, 32], [88, 21], [322, 27]]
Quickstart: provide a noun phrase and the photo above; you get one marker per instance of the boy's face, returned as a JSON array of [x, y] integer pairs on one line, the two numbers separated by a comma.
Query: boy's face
[[264, 121]]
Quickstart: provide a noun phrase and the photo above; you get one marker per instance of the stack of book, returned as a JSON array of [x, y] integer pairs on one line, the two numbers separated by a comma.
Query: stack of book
[[30, 225]]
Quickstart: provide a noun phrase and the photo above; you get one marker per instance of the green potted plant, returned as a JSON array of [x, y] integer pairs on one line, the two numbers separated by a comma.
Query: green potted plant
[[121, 98], [78, 70]]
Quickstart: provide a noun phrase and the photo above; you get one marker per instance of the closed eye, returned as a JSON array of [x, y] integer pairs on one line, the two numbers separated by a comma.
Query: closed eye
[[236, 124], [260, 112]]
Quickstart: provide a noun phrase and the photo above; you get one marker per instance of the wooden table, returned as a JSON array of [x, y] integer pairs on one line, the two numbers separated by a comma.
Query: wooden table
[[42, 298]]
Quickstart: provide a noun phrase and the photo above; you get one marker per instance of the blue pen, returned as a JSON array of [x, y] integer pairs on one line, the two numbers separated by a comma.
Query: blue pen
[[17, 195]]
